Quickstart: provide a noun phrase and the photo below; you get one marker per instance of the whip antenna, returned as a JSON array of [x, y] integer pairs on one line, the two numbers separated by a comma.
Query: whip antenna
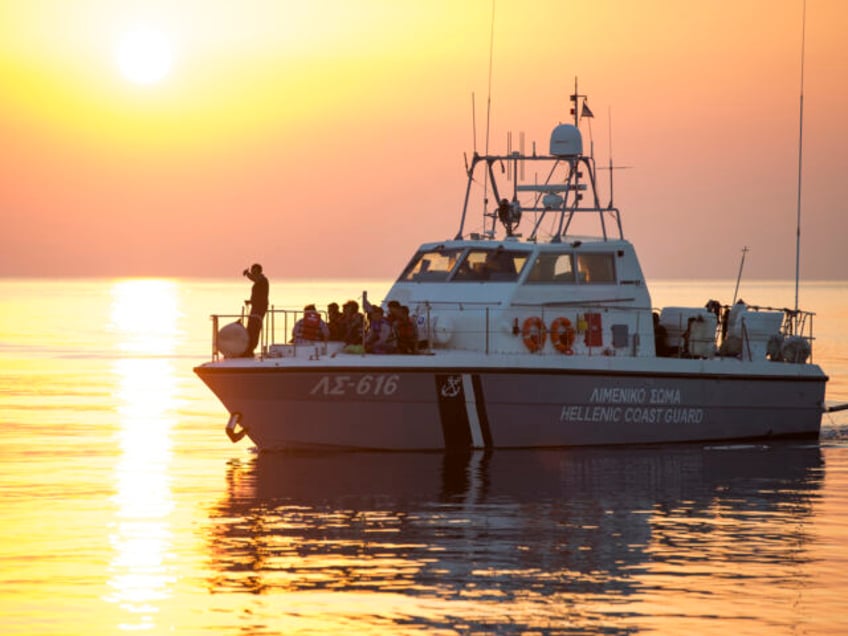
[[474, 122], [489, 95], [609, 124], [488, 117], [800, 158]]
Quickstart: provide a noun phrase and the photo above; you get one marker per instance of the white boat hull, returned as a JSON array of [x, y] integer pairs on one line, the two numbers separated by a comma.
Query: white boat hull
[[402, 403]]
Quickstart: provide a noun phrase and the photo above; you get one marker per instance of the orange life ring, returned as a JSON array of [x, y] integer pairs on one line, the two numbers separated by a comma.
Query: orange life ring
[[562, 335], [534, 334]]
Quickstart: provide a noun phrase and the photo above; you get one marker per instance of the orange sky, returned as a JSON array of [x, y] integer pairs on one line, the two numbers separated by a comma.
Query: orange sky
[[326, 138]]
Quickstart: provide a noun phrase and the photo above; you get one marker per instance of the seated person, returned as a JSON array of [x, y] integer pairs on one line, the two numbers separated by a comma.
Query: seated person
[[311, 328], [406, 332], [499, 262], [379, 337], [353, 323], [335, 321], [471, 271]]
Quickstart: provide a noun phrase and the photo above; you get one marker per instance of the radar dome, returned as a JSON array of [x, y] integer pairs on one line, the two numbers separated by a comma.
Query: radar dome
[[566, 141]]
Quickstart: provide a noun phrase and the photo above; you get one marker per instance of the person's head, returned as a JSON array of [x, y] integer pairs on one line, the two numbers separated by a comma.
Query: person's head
[[351, 306], [255, 269], [333, 308], [310, 309], [376, 312]]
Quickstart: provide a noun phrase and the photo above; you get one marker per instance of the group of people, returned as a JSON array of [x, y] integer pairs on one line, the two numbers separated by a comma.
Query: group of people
[[340, 325], [375, 331], [392, 330], [395, 331]]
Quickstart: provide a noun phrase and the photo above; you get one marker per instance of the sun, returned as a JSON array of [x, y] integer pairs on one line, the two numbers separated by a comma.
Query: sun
[[144, 55]]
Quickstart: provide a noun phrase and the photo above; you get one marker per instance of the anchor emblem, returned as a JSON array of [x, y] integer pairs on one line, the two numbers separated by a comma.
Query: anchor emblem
[[452, 386]]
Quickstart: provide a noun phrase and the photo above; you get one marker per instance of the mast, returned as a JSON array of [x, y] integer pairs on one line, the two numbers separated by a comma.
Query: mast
[[578, 108], [576, 100]]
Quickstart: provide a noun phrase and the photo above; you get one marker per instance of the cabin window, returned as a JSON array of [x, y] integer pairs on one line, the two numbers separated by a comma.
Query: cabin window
[[594, 267], [433, 265], [552, 268], [497, 265]]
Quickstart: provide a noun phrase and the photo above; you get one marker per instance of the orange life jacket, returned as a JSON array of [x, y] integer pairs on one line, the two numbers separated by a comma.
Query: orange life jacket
[[310, 326]]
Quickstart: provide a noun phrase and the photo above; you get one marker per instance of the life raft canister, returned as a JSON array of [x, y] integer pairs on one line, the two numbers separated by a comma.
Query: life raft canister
[[562, 335], [534, 334]]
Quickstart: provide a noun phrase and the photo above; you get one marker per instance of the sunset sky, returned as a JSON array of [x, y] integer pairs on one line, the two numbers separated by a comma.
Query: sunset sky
[[326, 138]]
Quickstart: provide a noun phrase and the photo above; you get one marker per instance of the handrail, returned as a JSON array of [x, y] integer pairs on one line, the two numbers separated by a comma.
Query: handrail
[[270, 325], [483, 321]]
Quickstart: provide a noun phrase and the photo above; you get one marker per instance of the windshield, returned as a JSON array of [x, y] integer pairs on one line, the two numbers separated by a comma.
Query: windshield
[[477, 264], [496, 265], [432, 265]]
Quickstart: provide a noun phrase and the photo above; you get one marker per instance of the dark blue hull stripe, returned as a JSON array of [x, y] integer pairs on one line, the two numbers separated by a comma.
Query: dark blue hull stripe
[[462, 412], [453, 415]]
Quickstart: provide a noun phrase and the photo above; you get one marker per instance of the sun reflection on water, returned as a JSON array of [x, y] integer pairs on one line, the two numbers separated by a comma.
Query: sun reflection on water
[[144, 322]]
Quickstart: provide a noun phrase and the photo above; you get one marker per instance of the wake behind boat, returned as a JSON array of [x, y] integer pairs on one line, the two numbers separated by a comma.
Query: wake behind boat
[[543, 340]]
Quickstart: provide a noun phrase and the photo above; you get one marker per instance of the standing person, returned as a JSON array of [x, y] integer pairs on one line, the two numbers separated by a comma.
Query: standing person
[[258, 306]]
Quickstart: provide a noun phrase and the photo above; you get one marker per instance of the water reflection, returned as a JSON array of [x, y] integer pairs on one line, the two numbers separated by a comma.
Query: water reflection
[[144, 323], [521, 540]]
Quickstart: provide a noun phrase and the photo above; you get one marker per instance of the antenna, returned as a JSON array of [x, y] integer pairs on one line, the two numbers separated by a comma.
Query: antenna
[[609, 123], [509, 154], [611, 167], [800, 157], [521, 152], [488, 118], [474, 122], [515, 165], [575, 107]]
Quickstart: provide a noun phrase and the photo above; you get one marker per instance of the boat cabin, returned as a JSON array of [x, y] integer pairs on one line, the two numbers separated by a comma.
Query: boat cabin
[[510, 296]]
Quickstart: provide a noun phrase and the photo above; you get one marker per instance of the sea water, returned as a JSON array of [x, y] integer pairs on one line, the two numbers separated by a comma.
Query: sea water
[[125, 508]]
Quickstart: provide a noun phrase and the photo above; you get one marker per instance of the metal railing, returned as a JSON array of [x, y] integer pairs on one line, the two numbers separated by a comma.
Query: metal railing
[[480, 327], [268, 335]]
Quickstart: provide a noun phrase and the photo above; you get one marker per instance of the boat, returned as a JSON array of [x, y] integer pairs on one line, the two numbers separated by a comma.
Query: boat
[[540, 338]]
